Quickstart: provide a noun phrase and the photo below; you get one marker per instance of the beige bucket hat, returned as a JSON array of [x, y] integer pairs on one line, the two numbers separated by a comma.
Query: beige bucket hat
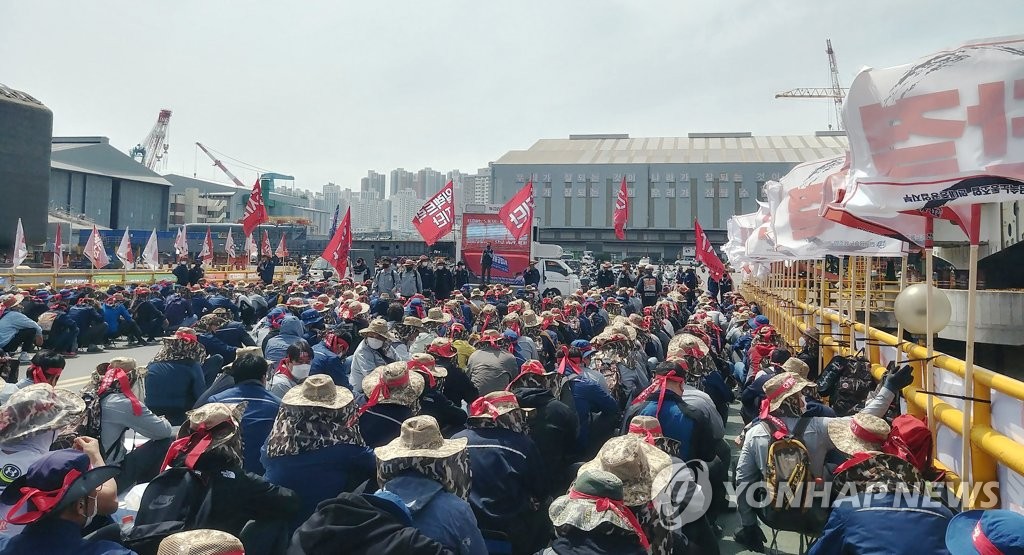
[[39, 407], [421, 447], [636, 463], [859, 433]]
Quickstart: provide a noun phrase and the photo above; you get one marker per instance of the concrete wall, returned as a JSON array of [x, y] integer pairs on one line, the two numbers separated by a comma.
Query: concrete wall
[[999, 321], [26, 129]]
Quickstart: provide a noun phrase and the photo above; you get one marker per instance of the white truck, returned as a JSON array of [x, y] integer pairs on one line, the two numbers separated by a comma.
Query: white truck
[[556, 277]]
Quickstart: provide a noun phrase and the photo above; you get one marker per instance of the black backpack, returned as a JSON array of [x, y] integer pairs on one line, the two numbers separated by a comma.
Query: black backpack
[[178, 499], [848, 382]]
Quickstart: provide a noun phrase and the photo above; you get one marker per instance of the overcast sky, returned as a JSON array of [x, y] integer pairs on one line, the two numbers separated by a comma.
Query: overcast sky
[[324, 90]]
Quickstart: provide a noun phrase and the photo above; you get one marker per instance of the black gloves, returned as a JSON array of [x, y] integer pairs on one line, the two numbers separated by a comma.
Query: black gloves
[[900, 379], [751, 537]]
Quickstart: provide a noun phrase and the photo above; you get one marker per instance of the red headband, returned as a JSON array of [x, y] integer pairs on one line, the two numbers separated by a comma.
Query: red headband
[[186, 336], [484, 405], [529, 367], [44, 501], [121, 377], [865, 434], [447, 351], [648, 433], [40, 374], [422, 368], [192, 446], [381, 391], [981, 542], [659, 384], [603, 504], [853, 461], [567, 361]]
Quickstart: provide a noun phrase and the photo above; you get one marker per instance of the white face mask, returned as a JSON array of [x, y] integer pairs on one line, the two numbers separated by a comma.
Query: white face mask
[[91, 514], [803, 342], [300, 371], [374, 343]]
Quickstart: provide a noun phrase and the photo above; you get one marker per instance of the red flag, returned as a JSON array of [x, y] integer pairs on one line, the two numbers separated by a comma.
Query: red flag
[[255, 211], [95, 251], [436, 217], [265, 245], [517, 214], [706, 253], [621, 215], [337, 250], [206, 254], [282, 250]]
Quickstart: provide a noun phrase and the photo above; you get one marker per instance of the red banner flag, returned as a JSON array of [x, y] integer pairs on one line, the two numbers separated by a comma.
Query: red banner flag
[[282, 249], [706, 253], [95, 251], [206, 254], [621, 215], [337, 250], [265, 245], [255, 211], [436, 217], [517, 214]]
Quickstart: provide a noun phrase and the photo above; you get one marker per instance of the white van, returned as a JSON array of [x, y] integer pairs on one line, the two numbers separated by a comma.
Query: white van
[[556, 277]]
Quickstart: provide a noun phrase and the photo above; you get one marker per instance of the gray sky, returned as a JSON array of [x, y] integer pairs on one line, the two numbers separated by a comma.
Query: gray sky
[[324, 90]]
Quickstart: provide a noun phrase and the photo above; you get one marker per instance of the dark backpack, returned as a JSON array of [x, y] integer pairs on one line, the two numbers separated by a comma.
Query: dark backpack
[[853, 386], [178, 499]]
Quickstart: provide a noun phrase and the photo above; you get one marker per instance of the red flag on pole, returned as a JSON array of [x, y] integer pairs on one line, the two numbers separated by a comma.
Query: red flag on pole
[[58, 251], [94, 250], [207, 253], [255, 211], [706, 253], [282, 249], [337, 250], [229, 246], [124, 251], [265, 245], [517, 213], [621, 215], [436, 217]]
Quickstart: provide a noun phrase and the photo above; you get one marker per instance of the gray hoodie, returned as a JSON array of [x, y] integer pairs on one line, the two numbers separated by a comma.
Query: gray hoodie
[[277, 347]]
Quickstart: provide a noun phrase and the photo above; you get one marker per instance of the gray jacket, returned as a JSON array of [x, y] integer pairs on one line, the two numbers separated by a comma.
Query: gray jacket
[[754, 454], [118, 418], [491, 369], [386, 281], [366, 360], [409, 283]]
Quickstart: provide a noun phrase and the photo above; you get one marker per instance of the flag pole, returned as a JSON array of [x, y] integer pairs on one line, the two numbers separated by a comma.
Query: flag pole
[[929, 232], [967, 470]]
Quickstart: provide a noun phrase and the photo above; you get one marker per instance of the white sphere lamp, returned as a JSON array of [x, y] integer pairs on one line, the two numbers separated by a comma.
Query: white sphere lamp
[[910, 309]]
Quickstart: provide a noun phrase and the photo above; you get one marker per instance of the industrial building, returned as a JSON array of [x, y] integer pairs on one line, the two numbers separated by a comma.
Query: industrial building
[[671, 181], [91, 179], [24, 166]]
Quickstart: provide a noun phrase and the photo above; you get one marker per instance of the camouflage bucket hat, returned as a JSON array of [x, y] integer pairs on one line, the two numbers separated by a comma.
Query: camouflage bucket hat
[[860, 433], [400, 386], [648, 428], [421, 447], [583, 514], [876, 471], [200, 542], [687, 344], [498, 409], [37, 408], [636, 463], [314, 415]]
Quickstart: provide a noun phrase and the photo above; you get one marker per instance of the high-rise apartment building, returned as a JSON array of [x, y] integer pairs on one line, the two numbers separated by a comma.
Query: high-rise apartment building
[[404, 206], [401, 179], [373, 185]]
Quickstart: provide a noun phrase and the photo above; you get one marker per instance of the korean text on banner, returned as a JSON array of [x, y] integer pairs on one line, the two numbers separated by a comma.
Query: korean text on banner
[[517, 213], [945, 130], [255, 210], [436, 218]]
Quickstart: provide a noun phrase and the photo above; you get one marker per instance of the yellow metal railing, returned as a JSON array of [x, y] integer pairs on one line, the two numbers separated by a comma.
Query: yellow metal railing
[[782, 301]]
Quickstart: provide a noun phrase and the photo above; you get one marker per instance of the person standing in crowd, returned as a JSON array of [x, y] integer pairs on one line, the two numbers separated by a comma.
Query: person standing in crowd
[[360, 272], [461, 275], [605, 276], [250, 374], [486, 261], [649, 287], [196, 272], [444, 281], [409, 280], [725, 285], [266, 267], [181, 272], [174, 378], [532, 275], [386, 279], [430, 476], [316, 434], [426, 274]]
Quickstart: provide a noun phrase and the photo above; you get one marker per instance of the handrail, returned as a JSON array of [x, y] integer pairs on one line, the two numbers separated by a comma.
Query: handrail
[[989, 446]]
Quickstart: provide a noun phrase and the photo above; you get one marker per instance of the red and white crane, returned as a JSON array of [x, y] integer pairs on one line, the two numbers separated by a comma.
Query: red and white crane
[[152, 151], [222, 167]]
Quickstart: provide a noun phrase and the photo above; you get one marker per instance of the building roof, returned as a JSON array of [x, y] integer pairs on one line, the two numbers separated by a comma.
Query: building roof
[[183, 181], [94, 155], [13, 94], [696, 148]]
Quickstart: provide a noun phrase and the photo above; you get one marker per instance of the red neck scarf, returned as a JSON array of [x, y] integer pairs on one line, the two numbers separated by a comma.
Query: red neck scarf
[[186, 336], [603, 504], [422, 368], [483, 406], [381, 391], [284, 370], [192, 446], [119, 375], [44, 501], [649, 434], [660, 384], [42, 375]]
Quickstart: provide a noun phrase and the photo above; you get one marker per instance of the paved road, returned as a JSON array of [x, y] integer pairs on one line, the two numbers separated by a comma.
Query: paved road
[[78, 369]]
